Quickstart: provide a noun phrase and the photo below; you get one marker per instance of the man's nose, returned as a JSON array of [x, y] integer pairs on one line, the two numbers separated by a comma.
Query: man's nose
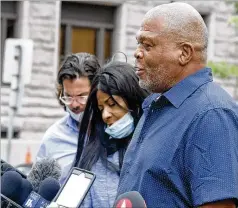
[[138, 54], [75, 104]]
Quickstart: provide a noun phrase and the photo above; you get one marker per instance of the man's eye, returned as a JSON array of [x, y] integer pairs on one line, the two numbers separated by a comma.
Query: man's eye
[[146, 46], [111, 104]]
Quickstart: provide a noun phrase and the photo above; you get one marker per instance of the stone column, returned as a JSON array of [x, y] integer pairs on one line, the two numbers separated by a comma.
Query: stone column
[[40, 22]]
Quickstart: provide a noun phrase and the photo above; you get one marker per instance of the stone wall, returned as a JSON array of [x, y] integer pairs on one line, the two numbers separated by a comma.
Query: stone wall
[[39, 107]]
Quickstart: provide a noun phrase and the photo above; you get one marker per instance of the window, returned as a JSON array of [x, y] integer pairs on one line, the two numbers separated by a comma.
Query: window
[[86, 28], [8, 24], [88, 36], [15, 135]]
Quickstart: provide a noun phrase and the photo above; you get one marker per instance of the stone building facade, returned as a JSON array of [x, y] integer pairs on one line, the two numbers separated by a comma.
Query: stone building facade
[[43, 22]]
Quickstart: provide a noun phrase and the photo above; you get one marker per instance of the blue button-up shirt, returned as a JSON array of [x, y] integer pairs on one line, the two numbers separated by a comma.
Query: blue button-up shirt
[[60, 142], [184, 151]]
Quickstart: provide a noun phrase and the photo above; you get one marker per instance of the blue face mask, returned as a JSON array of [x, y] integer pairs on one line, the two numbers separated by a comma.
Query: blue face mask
[[121, 128], [76, 117]]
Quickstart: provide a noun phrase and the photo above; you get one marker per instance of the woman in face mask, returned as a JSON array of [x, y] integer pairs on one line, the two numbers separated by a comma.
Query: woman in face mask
[[110, 117]]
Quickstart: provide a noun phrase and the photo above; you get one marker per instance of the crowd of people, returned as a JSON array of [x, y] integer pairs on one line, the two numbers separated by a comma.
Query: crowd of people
[[162, 127]]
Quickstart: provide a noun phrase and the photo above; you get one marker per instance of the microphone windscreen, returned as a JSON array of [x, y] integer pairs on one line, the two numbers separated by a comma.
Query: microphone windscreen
[[131, 199], [11, 183], [26, 189], [42, 169], [49, 188]]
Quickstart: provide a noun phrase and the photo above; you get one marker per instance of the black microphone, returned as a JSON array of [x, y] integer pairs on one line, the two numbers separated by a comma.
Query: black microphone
[[11, 184], [49, 188], [131, 199], [14, 189], [26, 189], [7, 167], [42, 169], [47, 191]]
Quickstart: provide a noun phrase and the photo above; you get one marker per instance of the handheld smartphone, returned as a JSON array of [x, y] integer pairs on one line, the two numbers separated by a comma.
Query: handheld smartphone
[[75, 188]]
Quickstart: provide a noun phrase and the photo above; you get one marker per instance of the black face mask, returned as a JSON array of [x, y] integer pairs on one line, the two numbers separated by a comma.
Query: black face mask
[[112, 145]]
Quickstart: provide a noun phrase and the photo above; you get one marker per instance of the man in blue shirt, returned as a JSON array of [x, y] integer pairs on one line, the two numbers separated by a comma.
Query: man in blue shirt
[[184, 151], [74, 83]]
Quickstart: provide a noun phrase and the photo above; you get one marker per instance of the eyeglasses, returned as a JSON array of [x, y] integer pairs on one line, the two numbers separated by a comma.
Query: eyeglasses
[[69, 100]]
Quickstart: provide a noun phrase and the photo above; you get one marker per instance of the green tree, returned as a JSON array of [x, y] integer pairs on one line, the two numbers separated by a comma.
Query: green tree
[[234, 19], [223, 69]]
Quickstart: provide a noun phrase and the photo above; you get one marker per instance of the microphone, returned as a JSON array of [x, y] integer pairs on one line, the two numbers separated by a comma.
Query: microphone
[[14, 189], [33, 199], [131, 199], [49, 188], [47, 191], [42, 169], [7, 167], [11, 184], [26, 189]]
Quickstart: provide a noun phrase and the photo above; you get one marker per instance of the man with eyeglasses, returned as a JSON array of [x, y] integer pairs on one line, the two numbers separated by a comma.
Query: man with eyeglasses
[[74, 83]]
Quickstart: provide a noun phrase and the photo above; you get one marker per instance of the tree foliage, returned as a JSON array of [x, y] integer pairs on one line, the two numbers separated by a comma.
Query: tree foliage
[[224, 69]]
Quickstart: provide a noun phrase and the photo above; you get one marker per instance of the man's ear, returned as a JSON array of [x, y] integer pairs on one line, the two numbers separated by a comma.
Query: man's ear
[[187, 52]]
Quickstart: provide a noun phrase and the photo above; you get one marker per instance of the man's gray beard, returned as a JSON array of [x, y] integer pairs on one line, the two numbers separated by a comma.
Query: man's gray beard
[[147, 85]]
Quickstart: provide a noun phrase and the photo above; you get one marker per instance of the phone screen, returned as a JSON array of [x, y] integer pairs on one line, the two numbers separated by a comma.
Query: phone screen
[[74, 190]]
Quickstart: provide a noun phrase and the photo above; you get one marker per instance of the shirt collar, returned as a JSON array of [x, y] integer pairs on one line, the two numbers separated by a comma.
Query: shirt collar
[[178, 93], [148, 100], [70, 122]]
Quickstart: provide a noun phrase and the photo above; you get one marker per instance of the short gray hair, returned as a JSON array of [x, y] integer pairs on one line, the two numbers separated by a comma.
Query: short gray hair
[[183, 21]]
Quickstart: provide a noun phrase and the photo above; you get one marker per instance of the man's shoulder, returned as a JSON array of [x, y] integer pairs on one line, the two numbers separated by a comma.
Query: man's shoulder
[[207, 98], [57, 127], [216, 96], [61, 122]]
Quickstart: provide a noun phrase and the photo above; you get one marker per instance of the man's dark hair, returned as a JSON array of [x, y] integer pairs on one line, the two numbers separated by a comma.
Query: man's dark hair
[[115, 78], [75, 66]]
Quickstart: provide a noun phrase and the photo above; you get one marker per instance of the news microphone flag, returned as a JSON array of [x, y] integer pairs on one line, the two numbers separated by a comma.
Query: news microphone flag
[[34, 200]]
